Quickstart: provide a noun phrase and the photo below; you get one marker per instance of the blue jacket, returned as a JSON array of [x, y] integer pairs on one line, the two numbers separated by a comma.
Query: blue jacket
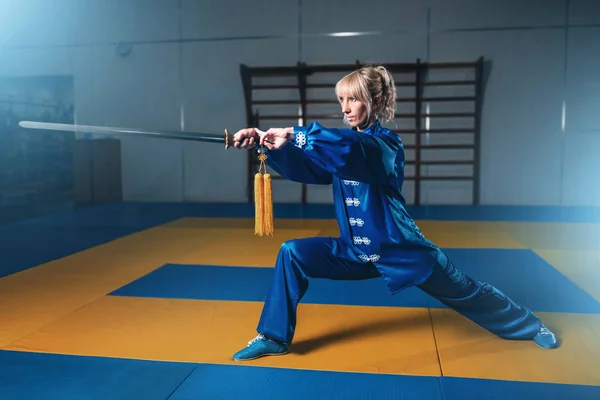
[[366, 171]]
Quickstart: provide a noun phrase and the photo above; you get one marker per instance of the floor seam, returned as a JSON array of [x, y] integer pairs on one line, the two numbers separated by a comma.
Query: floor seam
[[437, 350], [182, 382]]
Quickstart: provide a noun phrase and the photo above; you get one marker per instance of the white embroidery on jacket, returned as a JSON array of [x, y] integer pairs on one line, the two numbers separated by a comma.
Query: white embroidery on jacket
[[356, 221], [371, 258], [300, 139], [361, 240], [352, 202]]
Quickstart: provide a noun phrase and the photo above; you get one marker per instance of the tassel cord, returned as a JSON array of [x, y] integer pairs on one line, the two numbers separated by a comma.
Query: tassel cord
[[263, 224]]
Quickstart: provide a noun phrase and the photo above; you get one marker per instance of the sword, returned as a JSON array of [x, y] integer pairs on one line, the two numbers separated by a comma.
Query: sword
[[226, 138], [262, 180]]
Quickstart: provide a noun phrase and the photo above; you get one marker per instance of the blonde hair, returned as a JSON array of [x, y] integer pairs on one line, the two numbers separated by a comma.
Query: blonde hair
[[368, 84]]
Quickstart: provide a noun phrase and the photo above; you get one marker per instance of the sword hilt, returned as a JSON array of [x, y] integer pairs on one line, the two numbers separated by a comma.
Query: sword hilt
[[228, 139]]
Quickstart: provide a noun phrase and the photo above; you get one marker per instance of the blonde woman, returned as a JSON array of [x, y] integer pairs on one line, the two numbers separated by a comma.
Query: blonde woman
[[378, 238]]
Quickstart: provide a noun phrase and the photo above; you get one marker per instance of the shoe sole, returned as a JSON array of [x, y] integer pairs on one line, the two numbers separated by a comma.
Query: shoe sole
[[260, 356]]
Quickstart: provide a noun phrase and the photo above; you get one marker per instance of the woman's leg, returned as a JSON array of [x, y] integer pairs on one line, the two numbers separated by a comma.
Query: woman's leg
[[487, 306], [297, 261]]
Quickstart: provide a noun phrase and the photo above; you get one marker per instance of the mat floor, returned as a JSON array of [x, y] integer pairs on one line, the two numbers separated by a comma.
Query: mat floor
[[150, 301]]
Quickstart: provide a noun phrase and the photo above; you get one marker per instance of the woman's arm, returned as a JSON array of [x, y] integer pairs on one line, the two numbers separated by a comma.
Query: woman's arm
[[348, 154]]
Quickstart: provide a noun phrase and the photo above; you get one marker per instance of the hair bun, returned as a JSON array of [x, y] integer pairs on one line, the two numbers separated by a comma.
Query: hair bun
[[388, 93]]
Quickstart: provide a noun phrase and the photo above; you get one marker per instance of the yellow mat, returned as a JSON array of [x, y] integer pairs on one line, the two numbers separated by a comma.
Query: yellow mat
[[554, 235], [466, 350], [62, 306], [329, 337], [33, 298]]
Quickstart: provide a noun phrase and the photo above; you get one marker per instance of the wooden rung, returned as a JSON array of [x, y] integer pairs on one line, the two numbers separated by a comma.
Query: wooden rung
[[442, 146], [274, 87], [439, 178], [449, 130], [446, 178], [447, 146], [435, 131], [435, 99], [451, 65], [449, 83], [448, 98], [448, 115], [276, 101], [296, 116], [314, 101], [442, 162]]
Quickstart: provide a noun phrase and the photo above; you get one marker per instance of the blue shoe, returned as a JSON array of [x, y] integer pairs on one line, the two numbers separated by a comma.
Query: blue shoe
[[260, 346], [545, 338]]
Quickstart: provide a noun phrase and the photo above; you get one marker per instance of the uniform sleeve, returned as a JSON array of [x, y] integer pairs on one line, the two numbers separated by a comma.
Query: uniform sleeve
[[349, 154], [293, 164]]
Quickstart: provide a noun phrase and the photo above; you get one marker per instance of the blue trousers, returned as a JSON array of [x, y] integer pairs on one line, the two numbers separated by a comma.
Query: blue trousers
[[301, 259]]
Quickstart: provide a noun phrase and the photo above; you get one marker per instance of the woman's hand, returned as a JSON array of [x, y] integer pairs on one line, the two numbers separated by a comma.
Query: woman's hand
[[276, 138], [245, 138]]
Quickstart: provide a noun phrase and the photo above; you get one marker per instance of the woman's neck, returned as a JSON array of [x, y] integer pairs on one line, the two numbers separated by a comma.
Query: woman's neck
[[365, 126]]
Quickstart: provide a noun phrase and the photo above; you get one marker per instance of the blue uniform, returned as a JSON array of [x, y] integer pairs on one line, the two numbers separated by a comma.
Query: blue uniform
[[366, 170], [378, 238]]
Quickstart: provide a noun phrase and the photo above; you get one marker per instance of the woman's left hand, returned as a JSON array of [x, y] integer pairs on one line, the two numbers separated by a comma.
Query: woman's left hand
[[276, 138]]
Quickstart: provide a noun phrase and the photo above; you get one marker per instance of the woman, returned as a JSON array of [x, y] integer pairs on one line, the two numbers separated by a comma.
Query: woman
[[378, 238]]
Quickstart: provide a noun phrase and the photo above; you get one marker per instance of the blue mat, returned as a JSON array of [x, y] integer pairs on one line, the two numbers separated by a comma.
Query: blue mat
[[252, 284], [53, 377], [521, 274], [32, 242], [488, 389], [217, 382], [59, 377]]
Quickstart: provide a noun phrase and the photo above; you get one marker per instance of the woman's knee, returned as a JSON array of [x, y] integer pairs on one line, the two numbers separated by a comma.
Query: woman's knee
[[305, 256], [289, 246], [289, 249], [292, 256], [310, 248]]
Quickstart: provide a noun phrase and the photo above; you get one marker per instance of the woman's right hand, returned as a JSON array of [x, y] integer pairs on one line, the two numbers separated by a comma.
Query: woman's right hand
[[245, 138]]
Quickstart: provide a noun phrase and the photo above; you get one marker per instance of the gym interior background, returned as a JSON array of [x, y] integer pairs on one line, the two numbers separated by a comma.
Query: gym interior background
[[117, 252]]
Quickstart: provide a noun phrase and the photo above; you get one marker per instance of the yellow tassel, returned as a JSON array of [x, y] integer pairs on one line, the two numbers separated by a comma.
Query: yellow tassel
[[258, 204], [268, 205], [263, 200]]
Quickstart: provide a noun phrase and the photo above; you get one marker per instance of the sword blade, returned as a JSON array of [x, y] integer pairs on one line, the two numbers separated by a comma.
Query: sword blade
[[225, 138]]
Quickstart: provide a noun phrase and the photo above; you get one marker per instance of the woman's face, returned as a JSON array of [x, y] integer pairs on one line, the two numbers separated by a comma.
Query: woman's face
[[355, 111]]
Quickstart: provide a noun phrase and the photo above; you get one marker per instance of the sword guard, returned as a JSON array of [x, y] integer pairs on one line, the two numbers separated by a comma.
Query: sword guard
[[227, 137]]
